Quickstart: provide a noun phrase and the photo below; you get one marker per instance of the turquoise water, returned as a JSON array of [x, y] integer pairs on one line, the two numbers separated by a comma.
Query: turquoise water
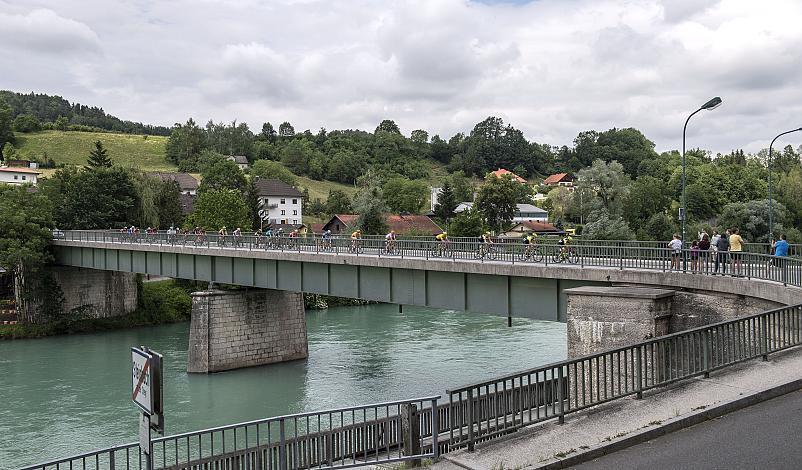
[[71, 394]]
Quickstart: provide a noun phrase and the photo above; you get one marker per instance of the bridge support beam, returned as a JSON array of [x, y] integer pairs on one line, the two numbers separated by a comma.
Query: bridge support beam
[[601, 318], [244, 328]]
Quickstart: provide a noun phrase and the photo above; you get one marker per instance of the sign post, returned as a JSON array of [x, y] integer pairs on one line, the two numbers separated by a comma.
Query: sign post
[[147, 395]]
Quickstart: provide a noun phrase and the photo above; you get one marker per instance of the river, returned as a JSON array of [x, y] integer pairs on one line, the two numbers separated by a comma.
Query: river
[[71, 394]]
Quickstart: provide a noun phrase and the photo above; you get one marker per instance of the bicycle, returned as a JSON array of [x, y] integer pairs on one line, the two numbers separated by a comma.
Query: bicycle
[[531, 252], [441, 249], [221, 241], [567, 254], [356, 246], [486, 250], [389, 248]]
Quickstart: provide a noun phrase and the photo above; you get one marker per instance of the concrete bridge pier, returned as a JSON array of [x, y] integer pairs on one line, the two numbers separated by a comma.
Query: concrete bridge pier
[[244, 328]]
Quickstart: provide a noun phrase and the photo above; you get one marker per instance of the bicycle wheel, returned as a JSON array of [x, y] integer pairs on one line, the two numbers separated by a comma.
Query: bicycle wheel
[[479, 253], [537, 255], [557, 257], [434, 252], [572, 257], [492, 253], [524, 254]]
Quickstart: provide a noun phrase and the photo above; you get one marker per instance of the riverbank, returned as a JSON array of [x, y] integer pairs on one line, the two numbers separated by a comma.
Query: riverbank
[[161, 302]]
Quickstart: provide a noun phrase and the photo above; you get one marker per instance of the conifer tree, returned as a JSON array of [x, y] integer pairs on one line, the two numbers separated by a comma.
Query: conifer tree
[[99, 157]]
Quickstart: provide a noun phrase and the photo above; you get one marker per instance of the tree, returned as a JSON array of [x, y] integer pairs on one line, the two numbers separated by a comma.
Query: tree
[[466, 224], [647, 197], [98, 199], [388, 125], [25, 222], [268, 132], [6, 131], [496, 201], [27, 123], [9, 152], [99, 157], [608, 182], [751, 218], [185, 143], [297, 154], [446, 202], [286, 129], [223, 174], [168, 204], [560, 200], [403, 195], [603, 226], [419, 136], [338, 202], [61, 124], [369, 204], [219, 208], [273, 170]]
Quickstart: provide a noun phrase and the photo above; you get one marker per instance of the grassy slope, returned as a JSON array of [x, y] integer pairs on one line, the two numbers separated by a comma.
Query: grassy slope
[[138, 151]]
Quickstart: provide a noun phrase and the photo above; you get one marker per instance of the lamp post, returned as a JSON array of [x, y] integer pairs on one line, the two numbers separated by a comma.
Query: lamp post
[[771, 205], [710, 105]]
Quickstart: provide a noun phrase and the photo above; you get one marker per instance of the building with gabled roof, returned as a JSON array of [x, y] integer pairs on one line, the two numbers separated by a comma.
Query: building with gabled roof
[[186, 182], [503, 172], [18, 175], [402, 224], [559, 179], [279, 203]]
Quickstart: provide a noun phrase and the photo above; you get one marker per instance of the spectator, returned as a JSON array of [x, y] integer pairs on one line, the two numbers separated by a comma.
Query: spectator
[[780, 250], [736, 250], [704, 252], [695, 255], [722, 247], [676, 249]]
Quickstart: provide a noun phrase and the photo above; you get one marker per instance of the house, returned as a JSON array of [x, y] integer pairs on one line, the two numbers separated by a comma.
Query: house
[[186, 182], [9, 175], [279, 202], [402, 224], [187, 202], [523, 213], [502, 172], [22, 164], [240, 160], [540, 228], [560, 179]]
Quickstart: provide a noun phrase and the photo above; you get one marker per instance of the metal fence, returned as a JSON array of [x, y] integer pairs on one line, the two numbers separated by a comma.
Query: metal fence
[[787, 270], [395, 431], [485, 410]]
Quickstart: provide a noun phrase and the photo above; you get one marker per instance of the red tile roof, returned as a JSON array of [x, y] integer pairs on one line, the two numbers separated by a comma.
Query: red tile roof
[[554, 179], [19, 170], [501, 172], [537, 227], [402, 224]]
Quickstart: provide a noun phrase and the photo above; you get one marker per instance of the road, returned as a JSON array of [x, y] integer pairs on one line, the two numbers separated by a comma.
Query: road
[[763, 436]]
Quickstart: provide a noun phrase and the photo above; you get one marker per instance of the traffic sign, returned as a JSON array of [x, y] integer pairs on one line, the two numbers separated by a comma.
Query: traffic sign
[[262, 214], [142, 380]]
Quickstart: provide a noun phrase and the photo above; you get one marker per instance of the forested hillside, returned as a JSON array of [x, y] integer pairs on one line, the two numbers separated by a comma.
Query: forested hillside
[[48, 109]]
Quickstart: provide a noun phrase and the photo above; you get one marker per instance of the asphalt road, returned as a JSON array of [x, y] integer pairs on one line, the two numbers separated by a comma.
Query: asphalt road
[[764, 436]]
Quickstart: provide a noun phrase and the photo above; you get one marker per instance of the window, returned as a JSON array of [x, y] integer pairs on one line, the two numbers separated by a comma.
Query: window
[[295, 212], [16, 177], [23, 177], [282, 201], [283, 221], [295, 221], [295, 201], [283, 212]]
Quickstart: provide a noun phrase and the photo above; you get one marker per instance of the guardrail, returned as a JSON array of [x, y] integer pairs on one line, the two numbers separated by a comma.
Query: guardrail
[[388, 432], [505, 404], [787, 270]]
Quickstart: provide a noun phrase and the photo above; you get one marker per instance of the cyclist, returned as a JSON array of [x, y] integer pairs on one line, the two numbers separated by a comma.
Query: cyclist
[[442, 241], [564, 243], [530, 240], [237, 236], [389, 241], [487, 243], [223, 233], [327, 239], [355, 240]]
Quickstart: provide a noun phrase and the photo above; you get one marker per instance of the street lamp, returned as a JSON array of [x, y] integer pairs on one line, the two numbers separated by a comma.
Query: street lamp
[[771, 206], [710, 105]]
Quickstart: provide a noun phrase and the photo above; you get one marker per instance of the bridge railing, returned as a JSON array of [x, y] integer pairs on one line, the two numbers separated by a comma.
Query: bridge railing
[[787, 270], [485, 410], [379, 433]]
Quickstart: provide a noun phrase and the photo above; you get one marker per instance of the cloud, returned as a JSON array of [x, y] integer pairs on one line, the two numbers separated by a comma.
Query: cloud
[[43, 31], [549, 67]]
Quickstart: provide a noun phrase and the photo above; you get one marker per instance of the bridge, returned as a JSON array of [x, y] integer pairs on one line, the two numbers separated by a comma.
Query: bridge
[[427, 427]]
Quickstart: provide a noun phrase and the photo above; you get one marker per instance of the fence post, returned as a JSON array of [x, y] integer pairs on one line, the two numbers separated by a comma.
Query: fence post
[[707, 352], [435, 430], [638, 374], [112, 464], [470, 420], [560, 398], [282, 447], [410, 428], [764, 337]]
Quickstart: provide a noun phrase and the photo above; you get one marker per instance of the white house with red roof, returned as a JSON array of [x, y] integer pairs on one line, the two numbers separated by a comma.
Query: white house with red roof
[[18, 175], [560, 179], [502, 172]]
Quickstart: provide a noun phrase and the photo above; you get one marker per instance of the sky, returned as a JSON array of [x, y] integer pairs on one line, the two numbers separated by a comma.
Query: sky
[[551, 68]]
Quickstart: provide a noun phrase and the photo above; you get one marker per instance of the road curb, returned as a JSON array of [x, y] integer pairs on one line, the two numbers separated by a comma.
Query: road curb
[[676, 424]]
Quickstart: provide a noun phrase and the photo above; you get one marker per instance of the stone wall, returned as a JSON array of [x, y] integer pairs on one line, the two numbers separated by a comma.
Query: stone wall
[[93, 292], [694, 309], [244, 328]]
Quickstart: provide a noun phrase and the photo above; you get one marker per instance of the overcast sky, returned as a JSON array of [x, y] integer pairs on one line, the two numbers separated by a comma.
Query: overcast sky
[[551, 68]]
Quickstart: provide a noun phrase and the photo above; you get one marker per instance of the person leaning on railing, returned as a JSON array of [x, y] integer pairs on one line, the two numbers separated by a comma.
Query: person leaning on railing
[[676, 250], [736, 250], [780, 248], [722, 249]]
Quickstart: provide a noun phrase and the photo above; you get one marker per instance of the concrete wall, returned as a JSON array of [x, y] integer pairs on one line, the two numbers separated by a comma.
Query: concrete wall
[[692, 309], [235, 329]]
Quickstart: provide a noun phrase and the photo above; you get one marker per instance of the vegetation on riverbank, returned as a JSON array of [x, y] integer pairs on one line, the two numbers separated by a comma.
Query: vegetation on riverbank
[[160, 303]]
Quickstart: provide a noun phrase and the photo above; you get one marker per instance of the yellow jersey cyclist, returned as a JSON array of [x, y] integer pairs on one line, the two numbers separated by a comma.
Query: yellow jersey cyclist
[[356, 238], [530, 240], [564, 243]]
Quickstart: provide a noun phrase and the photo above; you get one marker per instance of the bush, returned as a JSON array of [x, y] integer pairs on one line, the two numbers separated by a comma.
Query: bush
[[165, 302]]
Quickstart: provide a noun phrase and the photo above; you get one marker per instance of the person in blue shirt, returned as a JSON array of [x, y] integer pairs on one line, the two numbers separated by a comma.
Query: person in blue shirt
[[781, 247]]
